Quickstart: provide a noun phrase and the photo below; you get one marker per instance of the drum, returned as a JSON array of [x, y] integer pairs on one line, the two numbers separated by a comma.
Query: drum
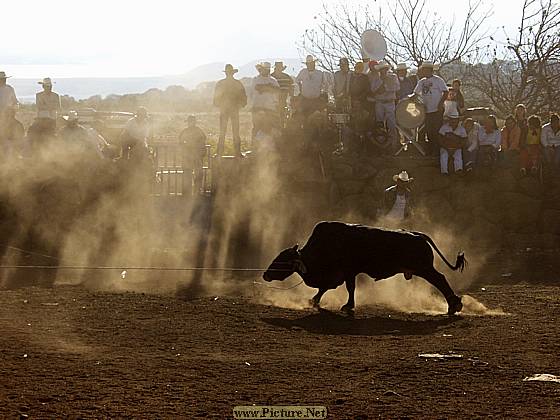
[[410, 113]]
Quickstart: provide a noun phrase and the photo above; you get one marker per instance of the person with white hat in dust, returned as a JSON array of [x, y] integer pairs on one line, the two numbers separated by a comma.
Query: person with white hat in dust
[[312, 87], [432, 89], [266, 91], [407, 82], [384, 97], [398, 203], [453, 137], [48, 103]]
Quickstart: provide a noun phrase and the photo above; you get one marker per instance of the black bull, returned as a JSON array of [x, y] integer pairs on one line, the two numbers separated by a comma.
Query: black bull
[[337, 252]]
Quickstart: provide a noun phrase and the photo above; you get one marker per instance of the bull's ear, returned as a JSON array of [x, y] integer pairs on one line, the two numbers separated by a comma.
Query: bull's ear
[[295, 247]]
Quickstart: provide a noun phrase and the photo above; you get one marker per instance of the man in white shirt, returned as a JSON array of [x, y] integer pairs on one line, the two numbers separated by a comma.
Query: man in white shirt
[[550, 139], [397, 199], [384, 97], [312, 87], [48, 102], [431, 89], [453, 137], [266, 91]]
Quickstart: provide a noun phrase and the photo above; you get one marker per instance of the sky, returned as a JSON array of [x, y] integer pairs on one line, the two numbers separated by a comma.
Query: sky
[[117, 38]]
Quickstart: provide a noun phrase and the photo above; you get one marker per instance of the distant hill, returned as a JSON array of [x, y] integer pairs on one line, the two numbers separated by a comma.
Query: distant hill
[[83, 88]]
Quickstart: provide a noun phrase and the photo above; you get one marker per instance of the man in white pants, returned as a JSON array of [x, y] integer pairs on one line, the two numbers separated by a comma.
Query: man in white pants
[[453, 137]]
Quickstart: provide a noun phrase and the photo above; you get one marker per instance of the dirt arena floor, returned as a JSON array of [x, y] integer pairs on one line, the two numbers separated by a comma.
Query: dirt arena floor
[[72, 353]]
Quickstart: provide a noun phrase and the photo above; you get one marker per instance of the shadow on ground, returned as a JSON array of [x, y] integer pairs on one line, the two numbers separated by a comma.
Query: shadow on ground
[[330, 323]]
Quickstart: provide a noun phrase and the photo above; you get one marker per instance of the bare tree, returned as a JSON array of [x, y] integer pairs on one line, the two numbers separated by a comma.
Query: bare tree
[[524, 68], [413, 33]]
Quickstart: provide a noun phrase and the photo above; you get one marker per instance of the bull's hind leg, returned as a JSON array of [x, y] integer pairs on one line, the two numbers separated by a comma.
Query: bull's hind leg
[[351, 287], [316, 300], [439, 281]]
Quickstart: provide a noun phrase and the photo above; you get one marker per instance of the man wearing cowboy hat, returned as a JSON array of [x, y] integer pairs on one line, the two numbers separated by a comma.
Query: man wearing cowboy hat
[[384, 96], [453, 138], [286, 87], [265, 99], [432, 90], [7, 94], [342, 86], [312, 88], [407, 83], [136, 133], [48, 104], [229, 97], [397, 199]]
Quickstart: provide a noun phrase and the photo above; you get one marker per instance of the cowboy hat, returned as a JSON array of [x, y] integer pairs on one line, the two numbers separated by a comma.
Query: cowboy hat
[[427, 65], [3, 75], [309, 59], [382, 66], [46, 82], [263, 65], [403, 176], [401, 66], [229, 69], [281, 65]]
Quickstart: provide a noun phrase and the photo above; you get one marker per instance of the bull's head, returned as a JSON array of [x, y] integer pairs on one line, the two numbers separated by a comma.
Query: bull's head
[[285, 264]]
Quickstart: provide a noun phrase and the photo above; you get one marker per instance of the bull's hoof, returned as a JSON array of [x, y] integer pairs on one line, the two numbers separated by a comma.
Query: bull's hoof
[[348, 310], [454, 305]]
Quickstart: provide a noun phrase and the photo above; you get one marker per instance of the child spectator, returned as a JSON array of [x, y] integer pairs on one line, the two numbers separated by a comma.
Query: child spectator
[[471, 147], [550, 139], [510, 138], [450, 105], [530, 150], [453, 138], [459, 94], [489, 140]]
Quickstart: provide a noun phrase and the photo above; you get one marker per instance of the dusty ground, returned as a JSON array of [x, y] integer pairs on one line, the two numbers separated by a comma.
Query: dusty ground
[[69, 352]]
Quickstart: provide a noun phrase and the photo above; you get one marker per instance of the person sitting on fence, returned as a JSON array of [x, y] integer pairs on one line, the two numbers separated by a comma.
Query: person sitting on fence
[[407, 83], [193, 142], [489, 141], [398, 202], [510, 139], [84, 143], [312, 87], [341, 87], [456, 85], [530, 150], [470, 149], [265, 97], [550, 139], [451, 104], [286, 84], [359, 90], [453, 137]]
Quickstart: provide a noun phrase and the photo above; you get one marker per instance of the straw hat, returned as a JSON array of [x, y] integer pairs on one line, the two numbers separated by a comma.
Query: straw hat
[[382, 66], [3, 75], [263, 65], [403, 177], [426, 65], [401, 66], [46, 82], [229, 69], [281, 65]]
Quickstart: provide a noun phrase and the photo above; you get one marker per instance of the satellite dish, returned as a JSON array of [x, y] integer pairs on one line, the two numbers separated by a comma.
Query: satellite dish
[[374, 45]]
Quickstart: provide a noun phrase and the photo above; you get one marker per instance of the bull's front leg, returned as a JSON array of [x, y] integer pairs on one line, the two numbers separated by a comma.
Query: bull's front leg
[[351, 287], [316, 300]]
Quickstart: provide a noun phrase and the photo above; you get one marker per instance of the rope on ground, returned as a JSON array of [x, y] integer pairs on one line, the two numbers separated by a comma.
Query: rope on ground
[[258, 283], [85, 267]]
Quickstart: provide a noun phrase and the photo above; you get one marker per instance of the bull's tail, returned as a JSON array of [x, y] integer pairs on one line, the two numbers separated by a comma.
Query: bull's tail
[[460, 263]]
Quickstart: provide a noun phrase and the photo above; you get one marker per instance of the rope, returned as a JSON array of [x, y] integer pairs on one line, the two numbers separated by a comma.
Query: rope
[[85, 267], [258, 283]]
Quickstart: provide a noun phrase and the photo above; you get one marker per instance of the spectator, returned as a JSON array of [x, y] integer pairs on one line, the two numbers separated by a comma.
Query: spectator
[[193, 140], [471, 147], [136, 135], [453, 139], [510, 138], [450, 104], [489, 140], [520, 115], [530, 150], [550, 139], [265, 98], [398, 202], [431, 88], [456, 85], [342, 86], [359, 90], [230, 97], [7, 94], [407, 83], [286, 84], [312, 87], [84, 142], [48, 106], [385, 97]]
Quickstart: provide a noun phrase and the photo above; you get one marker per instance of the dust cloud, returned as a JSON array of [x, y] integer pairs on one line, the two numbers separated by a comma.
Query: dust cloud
[[71, 210]]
